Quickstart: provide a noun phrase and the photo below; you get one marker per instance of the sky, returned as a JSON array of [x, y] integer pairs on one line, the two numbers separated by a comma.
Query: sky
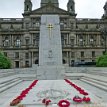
[[83, 8]]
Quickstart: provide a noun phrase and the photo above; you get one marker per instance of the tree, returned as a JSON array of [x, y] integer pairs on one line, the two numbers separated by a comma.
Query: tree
[[5, 63], [102, 61]]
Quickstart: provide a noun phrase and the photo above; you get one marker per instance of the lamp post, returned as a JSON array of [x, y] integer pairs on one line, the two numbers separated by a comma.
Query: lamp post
[[104, 32]]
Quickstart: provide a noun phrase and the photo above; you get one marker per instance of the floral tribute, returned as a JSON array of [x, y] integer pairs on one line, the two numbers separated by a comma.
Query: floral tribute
[[86, 99], [64, 103], [81, 91], [77, 99], [46, 102], [23, 94]]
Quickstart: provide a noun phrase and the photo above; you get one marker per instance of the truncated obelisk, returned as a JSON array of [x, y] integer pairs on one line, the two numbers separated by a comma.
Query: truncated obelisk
[[50, 49]]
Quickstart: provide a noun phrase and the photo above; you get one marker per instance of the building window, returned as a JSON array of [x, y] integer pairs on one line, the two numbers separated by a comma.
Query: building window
[[72, 54], [93, 53], [27, 63], [16, 54], [27, 55], [64, 54], [82, 54], [6, 42], [27, 40], [76, 26], [37, 24], [72, 42], [102, 40], [86, 26], [5, 54], [81, 41], [62, 39], [17, 42], [91, 40], [63, 23], [35, 54], [97, 26], [27, 25], [33, 24], [37, 40]]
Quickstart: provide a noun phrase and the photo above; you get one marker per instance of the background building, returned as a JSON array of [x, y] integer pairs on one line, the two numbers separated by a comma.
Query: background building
[[83, 40]]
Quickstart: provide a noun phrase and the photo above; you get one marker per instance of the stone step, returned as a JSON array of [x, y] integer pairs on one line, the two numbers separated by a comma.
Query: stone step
[[94, 84], [5, 80], [98, 73], [3, 84], [6, 74], [9, 85], [96, 77], [95, 81]]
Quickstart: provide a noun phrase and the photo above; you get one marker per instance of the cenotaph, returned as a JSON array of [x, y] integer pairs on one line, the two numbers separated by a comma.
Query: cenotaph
[[50, 49]]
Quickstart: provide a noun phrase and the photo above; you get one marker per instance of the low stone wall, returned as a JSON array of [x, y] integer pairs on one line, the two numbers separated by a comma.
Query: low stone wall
[[33, 70], [86, 69]]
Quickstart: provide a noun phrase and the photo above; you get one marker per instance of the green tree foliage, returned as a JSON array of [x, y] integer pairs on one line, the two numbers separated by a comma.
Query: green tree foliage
[[5, 63], [102, 61]]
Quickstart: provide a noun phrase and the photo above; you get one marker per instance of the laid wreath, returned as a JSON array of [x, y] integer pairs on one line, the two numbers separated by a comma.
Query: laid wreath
[[64, 103]]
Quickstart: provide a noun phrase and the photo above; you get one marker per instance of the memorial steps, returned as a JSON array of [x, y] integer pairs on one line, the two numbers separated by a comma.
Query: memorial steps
[[9, 83], [95, 79], [17, 77], [95, 82], [6, 73], [8, 78], [8, 95]]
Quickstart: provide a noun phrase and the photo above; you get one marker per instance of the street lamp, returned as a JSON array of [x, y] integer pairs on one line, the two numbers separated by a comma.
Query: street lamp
[[104, 32]]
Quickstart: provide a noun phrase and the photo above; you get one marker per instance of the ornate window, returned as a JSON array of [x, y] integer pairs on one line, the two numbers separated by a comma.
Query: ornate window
[[27, 41], [27, 63], [82, 54], [81, 40], [72, 54], [6, 42], [72, 42], [62, 39], [27, 55], [93, 53], [27, 25], [35, 54], [37, 24], [16, 54], [64, 54], [63, 23], [36, 39], [91, 40], [17, 42], [102, 40]]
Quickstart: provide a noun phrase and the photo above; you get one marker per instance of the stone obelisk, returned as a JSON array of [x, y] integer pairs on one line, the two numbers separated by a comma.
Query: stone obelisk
[[50, 49]]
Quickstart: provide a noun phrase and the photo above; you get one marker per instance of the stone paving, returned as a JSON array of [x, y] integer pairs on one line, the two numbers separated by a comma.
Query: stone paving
[[97, 95], [95, 92]]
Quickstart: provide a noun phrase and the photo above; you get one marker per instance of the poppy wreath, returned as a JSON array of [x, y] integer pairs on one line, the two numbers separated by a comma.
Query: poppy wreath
[[46, 101], [64, 103], [86, 99]]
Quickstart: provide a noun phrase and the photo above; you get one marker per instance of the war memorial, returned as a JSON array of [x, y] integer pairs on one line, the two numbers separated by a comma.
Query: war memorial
[[51, 83]]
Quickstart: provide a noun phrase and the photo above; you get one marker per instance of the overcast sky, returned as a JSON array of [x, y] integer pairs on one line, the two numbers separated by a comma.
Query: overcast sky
[[84, 8]]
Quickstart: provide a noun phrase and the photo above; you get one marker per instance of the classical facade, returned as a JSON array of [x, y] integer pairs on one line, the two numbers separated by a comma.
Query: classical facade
[[83, 40]]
